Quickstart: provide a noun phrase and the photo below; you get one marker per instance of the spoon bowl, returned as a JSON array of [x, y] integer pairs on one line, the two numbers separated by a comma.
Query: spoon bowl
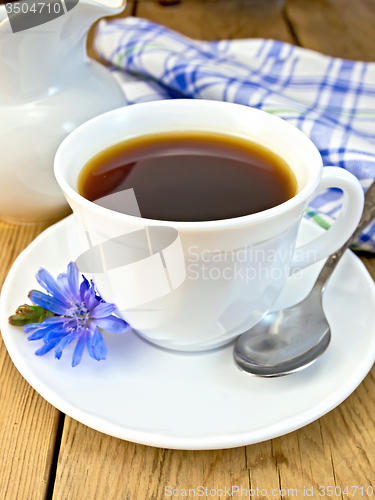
[[291, 339], [284, 341]]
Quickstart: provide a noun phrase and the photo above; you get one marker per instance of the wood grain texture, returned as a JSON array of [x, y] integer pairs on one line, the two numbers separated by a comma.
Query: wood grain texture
[[28, 424], [220, 19], [92, 465], [349, 434], [336, 450], [340, 28], [369, 261]]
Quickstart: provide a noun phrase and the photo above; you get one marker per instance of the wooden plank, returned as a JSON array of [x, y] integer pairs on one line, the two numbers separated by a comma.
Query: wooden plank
[[333, 451], [262, 467], [349, 434], [130, 5], [369, 261], [336, 450], [93, 465], [220, 19], [28, 423], [340, 28]]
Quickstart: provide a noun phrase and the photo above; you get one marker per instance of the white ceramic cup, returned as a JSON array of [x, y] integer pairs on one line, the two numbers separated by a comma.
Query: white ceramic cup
[[208, 281]]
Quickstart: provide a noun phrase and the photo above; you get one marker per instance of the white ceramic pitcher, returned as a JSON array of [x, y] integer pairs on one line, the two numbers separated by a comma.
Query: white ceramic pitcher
[[48, 86]]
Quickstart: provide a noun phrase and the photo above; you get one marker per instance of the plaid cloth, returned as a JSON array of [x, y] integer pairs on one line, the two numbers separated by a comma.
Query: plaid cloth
[[331, 100]]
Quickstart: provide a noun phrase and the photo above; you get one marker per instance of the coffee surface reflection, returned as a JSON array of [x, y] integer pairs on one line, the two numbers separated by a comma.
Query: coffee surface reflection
[[190, 176]]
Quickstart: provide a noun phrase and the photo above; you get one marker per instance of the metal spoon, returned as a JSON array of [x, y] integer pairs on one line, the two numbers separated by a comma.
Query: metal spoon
[[291, 339]]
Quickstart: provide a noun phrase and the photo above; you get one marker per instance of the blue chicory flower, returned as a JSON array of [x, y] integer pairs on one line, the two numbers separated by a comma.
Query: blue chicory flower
[[79, 312]]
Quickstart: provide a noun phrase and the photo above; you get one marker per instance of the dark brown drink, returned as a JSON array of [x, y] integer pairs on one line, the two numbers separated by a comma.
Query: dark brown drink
[[190, 176]]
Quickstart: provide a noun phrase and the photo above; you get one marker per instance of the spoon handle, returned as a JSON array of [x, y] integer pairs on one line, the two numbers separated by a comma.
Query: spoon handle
[[332, 261]]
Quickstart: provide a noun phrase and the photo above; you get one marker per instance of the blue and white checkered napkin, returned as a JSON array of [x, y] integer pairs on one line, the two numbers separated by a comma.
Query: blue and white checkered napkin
[[331, 100]]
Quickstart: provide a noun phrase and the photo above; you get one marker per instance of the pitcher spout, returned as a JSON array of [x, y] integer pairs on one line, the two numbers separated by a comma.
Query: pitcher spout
[[47, 54]]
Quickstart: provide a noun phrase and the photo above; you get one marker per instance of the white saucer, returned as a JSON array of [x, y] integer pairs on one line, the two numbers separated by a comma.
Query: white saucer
[[144, 394]]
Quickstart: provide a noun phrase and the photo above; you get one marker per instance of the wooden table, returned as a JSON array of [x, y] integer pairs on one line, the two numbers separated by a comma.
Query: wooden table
[[47, 455]]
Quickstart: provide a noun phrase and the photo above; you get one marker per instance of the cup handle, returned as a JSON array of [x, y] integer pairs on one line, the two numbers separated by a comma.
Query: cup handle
[[344, 226]]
